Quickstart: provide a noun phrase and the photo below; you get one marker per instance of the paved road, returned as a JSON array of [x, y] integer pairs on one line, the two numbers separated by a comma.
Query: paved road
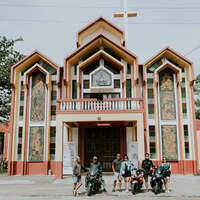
[[46, 187]]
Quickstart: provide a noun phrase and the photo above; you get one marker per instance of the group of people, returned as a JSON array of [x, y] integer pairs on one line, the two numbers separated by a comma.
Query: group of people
[[122, 170]]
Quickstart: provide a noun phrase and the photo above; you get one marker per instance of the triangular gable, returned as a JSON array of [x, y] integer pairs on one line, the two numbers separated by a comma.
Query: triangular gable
[[29, 60], [167, 51], [89, 27], [96, 38]]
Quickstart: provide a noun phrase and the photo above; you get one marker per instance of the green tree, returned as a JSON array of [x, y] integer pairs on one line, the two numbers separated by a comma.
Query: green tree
[[8, 57], [197, 96]]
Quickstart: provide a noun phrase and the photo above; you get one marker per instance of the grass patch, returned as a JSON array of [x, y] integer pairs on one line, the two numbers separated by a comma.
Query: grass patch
[[197, 174], [3, 171]]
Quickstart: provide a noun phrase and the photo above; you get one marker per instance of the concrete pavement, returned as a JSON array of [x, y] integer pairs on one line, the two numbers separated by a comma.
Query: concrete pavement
[[47, 187]]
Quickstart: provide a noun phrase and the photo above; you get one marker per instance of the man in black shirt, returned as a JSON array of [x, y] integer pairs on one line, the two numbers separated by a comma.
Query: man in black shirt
[[147, 165], [116, 165]]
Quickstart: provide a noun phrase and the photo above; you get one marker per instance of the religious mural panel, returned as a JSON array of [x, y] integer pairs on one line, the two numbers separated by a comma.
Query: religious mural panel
[[101, 78], [169, 142], [38, 97], [167, 99], [36, 143]]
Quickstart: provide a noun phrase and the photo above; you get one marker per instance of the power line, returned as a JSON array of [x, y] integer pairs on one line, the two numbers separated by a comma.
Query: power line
[[79, 21], [191, 51], [104, 7], [41, 20]]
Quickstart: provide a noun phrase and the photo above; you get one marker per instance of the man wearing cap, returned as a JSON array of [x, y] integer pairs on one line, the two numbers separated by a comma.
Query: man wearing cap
[[76, 170], [147, 165]]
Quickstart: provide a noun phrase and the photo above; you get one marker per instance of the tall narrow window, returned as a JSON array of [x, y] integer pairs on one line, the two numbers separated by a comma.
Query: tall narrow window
[[184, 102], [128, 88], [128, 68], [1, 144], [150, 97], [186, 142], [21, 108], [152, 142], [75, 69], [19, 145], [52, 143], [53, 100], [74, 89]]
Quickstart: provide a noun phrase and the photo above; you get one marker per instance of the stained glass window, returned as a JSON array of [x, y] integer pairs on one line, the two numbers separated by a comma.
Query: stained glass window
[[150, 98], [184, 97], [52, 143], [19, 145], [186, 142], [152, 142]]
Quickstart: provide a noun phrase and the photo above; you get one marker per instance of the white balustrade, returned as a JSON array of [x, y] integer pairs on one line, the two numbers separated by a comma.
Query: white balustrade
[[95, 105]]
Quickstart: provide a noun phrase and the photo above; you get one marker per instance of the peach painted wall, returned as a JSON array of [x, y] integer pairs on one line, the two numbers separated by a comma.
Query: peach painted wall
[[5, 128]]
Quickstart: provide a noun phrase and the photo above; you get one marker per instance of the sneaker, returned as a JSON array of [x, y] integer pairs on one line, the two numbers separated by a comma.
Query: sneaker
[[104, 190], [120, 190], [127, 191], [113, 190]]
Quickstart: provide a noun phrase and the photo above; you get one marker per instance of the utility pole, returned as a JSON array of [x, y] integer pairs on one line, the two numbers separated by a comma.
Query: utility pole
[[125, 14]]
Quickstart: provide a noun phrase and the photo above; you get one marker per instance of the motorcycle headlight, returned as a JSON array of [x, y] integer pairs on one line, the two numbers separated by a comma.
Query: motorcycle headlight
[[158, 176]]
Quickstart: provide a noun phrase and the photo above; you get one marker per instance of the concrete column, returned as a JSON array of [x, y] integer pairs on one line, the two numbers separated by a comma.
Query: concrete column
[[59, 147], [140, 137], [59, 139]]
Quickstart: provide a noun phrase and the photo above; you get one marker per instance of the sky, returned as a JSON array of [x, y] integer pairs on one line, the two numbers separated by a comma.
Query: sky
[[51, 26]]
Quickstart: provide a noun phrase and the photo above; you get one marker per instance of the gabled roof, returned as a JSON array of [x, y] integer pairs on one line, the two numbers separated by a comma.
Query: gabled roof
[[167, 50], [96, 38], [102, 39], [100, 19], [35, 55]]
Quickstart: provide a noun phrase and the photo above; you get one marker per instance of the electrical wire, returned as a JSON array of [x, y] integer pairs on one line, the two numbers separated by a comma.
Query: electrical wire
[[104, 7], [79, 21], [191, 51]]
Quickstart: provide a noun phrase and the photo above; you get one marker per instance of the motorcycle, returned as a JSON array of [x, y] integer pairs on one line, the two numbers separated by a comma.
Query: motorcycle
[[157, 180], [137, 180], [92, 181]]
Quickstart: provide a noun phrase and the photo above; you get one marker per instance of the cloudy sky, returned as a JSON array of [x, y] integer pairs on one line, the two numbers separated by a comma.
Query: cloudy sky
[[51, 26]]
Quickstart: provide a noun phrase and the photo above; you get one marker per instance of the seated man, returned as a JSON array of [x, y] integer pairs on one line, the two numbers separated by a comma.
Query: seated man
[[97, 165]]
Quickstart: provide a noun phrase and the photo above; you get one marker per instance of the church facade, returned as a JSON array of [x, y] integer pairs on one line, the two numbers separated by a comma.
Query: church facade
[[102, 102]]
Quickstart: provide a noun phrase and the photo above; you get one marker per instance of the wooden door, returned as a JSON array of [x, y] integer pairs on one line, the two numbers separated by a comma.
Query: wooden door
[[104, 143]]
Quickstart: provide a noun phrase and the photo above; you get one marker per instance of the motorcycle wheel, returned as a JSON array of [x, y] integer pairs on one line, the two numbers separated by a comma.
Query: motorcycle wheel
[[89, 192], [156, 188], [133, 188]]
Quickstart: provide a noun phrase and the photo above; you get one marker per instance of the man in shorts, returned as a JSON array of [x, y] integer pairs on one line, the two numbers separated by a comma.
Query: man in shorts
[[147, 166], [77, 175], [116, 165]]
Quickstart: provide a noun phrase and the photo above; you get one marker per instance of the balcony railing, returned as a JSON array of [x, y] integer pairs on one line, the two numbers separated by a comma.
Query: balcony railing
[[93, 105]]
